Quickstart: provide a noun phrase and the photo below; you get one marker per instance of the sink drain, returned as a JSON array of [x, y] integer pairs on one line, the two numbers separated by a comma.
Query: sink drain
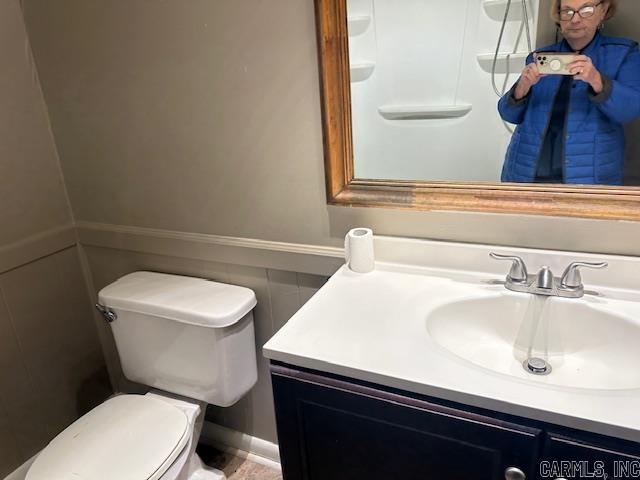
[[537, 366]]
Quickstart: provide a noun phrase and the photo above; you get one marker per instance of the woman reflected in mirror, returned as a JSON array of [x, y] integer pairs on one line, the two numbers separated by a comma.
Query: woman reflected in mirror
[[570, 116]]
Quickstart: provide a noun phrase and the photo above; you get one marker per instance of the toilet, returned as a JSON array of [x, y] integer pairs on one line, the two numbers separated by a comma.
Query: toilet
[[192, 341]]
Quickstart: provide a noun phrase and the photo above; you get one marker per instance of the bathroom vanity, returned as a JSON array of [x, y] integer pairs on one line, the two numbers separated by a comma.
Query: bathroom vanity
[[419, 370], [339, 428]]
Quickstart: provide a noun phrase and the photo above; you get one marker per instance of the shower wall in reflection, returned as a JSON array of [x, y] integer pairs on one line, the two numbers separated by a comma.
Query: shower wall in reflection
[[423, 103]]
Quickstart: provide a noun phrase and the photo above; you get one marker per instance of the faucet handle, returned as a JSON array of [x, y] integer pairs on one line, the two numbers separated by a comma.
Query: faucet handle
[[518, 271], [571, 277]]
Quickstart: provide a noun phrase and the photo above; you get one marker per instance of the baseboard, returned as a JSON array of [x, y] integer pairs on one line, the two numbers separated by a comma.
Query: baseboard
[[241, 445]]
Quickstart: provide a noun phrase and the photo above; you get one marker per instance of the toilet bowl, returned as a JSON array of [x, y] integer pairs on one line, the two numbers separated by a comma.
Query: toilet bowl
[[127, 437], [183, 337]]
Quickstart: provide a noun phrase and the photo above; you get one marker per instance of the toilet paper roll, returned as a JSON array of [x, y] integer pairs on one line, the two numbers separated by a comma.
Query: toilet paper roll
[[358, 250]]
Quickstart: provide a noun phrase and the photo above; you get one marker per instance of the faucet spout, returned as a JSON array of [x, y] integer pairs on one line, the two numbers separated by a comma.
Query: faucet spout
[[544, 278]]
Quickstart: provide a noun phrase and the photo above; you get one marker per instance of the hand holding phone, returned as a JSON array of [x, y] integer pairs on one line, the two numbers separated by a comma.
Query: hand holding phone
[[528, 78], [583, 69]]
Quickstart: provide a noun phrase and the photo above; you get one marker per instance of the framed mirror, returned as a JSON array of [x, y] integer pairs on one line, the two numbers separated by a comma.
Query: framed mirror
[[348, 186]]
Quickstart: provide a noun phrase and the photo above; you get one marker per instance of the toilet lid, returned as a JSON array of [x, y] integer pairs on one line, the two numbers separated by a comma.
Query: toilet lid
[[128, 437]]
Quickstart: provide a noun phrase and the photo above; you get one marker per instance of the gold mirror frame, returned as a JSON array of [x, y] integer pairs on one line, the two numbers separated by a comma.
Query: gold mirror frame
[[606, 202]]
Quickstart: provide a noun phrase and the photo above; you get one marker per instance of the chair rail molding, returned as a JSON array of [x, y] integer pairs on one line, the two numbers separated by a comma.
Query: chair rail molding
[[36, 246], [314, 259]]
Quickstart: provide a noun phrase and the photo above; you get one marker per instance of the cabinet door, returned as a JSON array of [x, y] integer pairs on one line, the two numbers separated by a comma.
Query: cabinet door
[[566, 457], [332, 429]]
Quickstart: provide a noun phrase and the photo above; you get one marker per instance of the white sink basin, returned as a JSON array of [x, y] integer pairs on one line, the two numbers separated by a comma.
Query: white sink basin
[[586, 345]]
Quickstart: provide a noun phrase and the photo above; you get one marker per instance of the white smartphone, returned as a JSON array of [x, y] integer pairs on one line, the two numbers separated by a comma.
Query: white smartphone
[[554, 63]]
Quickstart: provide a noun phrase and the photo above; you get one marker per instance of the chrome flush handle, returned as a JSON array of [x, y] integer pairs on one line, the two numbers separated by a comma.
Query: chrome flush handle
[[571, 278], [518, 271], [108, 314]]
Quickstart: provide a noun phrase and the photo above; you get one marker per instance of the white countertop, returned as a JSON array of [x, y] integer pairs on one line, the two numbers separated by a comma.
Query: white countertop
[[372, 327]]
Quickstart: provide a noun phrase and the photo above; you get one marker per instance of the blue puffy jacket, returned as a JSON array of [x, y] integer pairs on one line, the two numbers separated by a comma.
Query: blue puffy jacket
[[594, 134]]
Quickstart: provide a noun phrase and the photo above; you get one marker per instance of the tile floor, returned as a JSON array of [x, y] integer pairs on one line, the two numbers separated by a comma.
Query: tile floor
[[236, 468]]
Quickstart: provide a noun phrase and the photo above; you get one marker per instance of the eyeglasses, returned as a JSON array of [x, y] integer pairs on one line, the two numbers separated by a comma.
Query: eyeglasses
[[586, 11]]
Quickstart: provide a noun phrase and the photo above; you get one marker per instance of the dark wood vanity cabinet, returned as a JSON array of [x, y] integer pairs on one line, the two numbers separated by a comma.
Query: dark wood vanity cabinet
[[331, 428]]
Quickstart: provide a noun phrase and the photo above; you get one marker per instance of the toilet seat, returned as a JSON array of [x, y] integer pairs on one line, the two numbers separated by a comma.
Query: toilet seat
[[128, 437]]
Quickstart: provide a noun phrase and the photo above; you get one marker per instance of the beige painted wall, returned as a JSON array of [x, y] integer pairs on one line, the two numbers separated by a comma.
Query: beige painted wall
[[32, 196], [196, 116], [51, 363], [204, 116]]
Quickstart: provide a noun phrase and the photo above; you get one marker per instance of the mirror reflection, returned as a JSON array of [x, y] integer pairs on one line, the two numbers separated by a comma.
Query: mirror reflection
[[533, 91]]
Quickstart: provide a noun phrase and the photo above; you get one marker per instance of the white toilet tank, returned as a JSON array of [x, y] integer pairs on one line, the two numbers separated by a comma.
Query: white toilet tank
[[189, 336]]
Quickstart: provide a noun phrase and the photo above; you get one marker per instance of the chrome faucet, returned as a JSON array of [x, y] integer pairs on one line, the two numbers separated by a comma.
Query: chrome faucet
[[544, 283]]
